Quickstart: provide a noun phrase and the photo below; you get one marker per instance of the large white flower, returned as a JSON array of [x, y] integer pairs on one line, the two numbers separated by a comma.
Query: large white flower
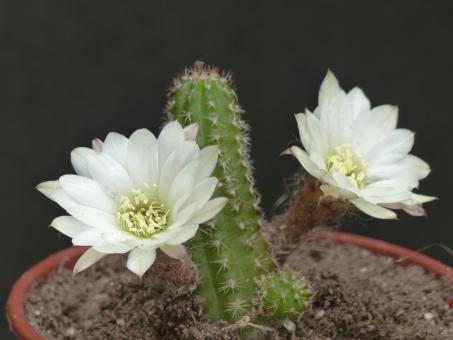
[[137, 195], [358, 154]]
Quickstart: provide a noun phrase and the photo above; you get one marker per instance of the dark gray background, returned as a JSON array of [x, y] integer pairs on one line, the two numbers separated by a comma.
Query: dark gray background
[[71, 70]]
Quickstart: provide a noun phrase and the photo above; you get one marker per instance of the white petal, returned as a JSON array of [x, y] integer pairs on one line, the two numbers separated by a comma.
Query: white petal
[[87, 192], [90, 216], [305, 161], [169, 138], [337, 120], [115, 145], [191, 131], [419, 166], [183, 235], [142, 158], [68, 225], [184, 215], [180, 203], [207, 161], [48, 188], [409, 167], [414, 210], [109, 174], [89, 237], [176, 251], [372, 126], [359, 102], [318, 134], [109, 248], [418, 199], [373, 210], [97, 144], [88, 258], [329, 88], [183, 182], [79, 160], [211, 209], [203, 191], [393, 148], [139, 260], [304, 134], [185, 153]]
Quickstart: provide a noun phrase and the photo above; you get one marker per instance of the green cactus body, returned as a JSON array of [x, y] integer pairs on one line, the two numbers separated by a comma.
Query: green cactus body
[[285, 294], [230, 252]]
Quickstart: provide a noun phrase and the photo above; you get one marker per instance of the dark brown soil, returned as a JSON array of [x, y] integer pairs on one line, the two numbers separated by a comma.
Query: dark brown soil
[[357, 295]]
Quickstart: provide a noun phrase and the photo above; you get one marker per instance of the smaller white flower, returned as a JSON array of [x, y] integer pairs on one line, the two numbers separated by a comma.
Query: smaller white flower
[[137, 195], [358, 154]]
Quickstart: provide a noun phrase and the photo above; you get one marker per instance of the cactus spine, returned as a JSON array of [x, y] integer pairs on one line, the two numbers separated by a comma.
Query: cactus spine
[[230, 253]]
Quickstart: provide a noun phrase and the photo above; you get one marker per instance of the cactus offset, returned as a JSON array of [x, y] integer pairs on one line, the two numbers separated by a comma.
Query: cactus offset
[[231, 252], [285, 294]]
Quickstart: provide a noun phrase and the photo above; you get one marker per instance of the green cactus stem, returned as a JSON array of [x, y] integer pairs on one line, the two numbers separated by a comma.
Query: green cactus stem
[[230, 252], [285, 294]]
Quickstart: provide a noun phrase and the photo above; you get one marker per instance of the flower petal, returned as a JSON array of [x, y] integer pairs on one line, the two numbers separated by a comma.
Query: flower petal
[[373, 210], [175, 251], [372, 126], [87, 192], [109, 174], [139, 260], [97, 144], [393, 148], [329, 88], [414, 209], [183, 183], [79, 160], [48, 188], [203, 191], [142, 158], [191, 131], [305, 161], [174, 164], [212, 208], [115, 145], [68, 225], [88, 258], [359, 102], [207, 161], [110, 248], [171, 136], [183, 234], [90, 216]]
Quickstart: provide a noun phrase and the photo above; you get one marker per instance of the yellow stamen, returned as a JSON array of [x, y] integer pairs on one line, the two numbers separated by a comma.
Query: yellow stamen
[[343, 160], [141, 214]]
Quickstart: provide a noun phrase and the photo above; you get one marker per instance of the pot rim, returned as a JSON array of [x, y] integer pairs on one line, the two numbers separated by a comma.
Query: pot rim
[[67, 257]]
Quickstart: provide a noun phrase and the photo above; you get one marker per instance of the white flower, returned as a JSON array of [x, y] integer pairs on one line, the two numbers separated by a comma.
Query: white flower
[[137, 195], [358, 154]]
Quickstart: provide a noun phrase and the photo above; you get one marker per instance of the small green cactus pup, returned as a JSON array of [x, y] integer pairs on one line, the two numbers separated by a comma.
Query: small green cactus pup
[[231, 252], [285, 294]]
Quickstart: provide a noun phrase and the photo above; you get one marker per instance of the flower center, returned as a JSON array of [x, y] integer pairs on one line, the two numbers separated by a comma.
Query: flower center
[[142, 214], [343, 160]]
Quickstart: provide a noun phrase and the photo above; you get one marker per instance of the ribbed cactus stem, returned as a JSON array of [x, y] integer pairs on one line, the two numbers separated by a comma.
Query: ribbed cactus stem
[[230, 252]]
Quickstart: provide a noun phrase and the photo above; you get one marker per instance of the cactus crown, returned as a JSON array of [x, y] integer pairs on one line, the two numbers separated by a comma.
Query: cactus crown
[[230, 252]]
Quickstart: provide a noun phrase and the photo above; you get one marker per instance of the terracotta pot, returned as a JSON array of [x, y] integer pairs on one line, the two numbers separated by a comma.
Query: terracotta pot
[[23, 330]]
